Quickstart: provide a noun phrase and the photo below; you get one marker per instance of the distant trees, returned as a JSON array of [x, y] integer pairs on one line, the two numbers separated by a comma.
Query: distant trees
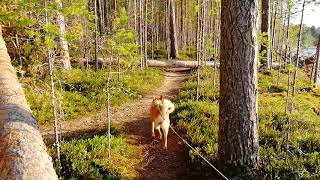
[[238, 116]]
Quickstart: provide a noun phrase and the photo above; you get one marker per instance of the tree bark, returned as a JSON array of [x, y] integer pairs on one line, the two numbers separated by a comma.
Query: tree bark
[[172, 31], [62, 41], [317, 68], [23, 154], [238, 108]]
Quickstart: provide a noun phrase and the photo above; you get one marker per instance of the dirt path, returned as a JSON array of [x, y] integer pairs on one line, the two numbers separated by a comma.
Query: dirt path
[[134, 117]]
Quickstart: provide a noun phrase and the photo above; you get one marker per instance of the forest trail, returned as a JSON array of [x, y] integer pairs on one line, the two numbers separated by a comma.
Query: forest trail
[[134, 118]]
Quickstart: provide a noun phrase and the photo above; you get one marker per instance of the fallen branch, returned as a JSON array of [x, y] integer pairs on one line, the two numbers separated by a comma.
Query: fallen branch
[[178, 64]]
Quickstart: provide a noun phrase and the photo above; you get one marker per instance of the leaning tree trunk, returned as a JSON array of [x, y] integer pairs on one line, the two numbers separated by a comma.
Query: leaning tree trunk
[[172, 31], [63, 42], [238, 116], [265, 29], [23, 154], [317, 68]]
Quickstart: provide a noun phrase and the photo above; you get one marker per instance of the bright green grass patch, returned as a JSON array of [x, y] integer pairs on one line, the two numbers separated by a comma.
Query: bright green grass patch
[[199, 121], [84, 91], [88, 159]]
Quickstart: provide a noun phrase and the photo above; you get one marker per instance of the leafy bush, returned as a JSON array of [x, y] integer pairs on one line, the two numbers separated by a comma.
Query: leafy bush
[[296, 158], [84, 91]]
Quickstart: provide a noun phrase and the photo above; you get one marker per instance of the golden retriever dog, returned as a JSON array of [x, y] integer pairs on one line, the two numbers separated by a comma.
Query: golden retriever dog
[[160, 110]]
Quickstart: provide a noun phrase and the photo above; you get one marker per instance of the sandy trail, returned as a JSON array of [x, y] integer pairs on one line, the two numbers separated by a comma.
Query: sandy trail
[[134, 118]]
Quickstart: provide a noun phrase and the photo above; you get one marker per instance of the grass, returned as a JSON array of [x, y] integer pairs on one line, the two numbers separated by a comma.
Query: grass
[[83, 92], [199, 121]]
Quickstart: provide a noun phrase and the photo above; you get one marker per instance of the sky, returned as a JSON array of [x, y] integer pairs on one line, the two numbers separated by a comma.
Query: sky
[[311, 17]]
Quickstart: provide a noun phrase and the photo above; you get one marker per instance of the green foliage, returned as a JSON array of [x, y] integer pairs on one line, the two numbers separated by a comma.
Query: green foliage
[[88, 159], [199, 121], [82, 92]]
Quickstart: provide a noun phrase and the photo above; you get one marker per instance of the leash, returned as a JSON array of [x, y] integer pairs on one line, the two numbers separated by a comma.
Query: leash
[[186, 142]]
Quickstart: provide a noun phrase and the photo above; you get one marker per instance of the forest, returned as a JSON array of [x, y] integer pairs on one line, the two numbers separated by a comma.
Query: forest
[[79, 79]]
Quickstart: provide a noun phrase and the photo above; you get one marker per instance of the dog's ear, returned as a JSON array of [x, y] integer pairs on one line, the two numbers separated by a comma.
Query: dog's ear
[[154, 97], [161, 98]]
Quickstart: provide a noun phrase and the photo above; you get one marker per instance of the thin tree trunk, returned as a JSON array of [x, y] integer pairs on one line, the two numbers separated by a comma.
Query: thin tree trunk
[[152, 29], [22, 151], [288, 86], [287, 106], [96, 37], [167, 30], [238, 114], [265, 29], [53, 100], [295, 76], [135, 15], [198, 48], [273, 36], [287, 33], [108, 103], [317, 67], [145, 54], [141, 33], [216, 48], [172, 32], [62, 33], [281, 48]]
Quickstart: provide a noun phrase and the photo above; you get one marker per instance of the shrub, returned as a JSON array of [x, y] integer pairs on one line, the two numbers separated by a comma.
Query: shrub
[[281, 158], [88, 159], [84, 91]]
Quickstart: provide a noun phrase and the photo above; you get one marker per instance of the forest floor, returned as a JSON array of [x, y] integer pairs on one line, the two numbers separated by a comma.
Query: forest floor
[[133, 117]]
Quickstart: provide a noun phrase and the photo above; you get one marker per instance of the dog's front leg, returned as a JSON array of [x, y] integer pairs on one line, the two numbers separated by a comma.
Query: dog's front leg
[[165, 128], [152, 129], [159, 130]]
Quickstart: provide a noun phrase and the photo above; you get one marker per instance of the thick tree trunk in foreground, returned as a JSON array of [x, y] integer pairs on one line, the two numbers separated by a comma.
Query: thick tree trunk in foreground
[[172, 31], [65, 57], [23, 154], [317, 68], [238, 110]]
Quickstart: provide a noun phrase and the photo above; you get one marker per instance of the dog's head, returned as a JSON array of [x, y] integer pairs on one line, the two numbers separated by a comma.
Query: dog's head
[[164, 105], [158, 101]]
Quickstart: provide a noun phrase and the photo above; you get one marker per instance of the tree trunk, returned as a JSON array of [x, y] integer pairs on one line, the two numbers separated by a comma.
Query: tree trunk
[[317, 68], [62, 32], [96, 36], [265, 29], [273, 33], [172, 31], [23, 154], [145, 37], [295, 75], [238, 116]]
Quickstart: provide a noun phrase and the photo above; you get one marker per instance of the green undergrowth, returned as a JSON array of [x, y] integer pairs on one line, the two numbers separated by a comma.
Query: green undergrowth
[[298, 158], [83, 92], [89, 158]]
